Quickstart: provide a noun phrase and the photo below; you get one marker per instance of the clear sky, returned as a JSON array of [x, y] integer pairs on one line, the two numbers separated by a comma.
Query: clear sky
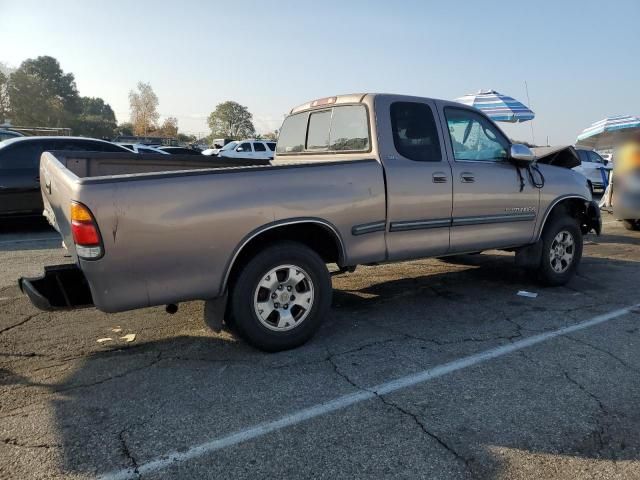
[[579, 58]]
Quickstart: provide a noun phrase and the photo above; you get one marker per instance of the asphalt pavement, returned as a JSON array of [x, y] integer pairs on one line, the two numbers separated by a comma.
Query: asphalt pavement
[[427, 369]]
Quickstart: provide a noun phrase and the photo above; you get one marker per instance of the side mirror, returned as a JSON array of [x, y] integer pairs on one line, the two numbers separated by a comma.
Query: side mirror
[[521, 155], [239, 149]]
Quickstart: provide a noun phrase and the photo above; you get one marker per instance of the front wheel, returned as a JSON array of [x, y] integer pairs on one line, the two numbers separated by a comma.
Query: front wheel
[[281, 297], [561, 251], [631, 224]]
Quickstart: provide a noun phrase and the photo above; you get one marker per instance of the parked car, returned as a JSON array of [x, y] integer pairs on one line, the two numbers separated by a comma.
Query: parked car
[[180, 150], [248, 149], [357, 179], [216, 151], [591, 166], [19, 174], [7, 134], [140, 148]]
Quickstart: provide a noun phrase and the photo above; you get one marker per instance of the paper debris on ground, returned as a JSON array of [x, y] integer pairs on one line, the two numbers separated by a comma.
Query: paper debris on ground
[[106, 339], [524, 293], [129, 337], [116, 330]]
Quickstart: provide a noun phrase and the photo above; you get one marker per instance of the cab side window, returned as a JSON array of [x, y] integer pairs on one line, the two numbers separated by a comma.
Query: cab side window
[[244, 147], [259, 147], [415, 134], [474, 138], [595, 158], [584, 158]]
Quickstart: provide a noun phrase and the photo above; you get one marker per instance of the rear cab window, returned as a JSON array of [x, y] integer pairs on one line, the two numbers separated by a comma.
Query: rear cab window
[[340, 129]]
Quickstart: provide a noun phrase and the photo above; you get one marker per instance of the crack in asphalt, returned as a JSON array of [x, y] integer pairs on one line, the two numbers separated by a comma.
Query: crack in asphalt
[[22, 322], [124, 448], [600, 432], [606, 352], [460, 458]]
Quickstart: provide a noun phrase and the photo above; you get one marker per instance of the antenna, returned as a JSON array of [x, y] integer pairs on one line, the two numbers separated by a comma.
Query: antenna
[[526, 87]]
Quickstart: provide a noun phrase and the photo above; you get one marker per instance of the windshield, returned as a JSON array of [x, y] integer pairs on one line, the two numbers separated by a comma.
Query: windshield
[[229, 146]]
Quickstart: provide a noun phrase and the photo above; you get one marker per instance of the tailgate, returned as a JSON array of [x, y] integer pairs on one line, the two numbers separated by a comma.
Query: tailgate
[[58, 186]]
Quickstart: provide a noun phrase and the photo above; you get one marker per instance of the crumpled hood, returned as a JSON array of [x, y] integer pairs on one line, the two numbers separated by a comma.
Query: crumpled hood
[[559, 156]]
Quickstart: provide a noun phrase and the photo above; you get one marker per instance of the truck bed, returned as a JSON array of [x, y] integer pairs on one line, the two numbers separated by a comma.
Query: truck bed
[[170, 228], [95, 164]]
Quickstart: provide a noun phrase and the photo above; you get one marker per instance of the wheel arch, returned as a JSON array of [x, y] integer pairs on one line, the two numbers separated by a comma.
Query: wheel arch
[[318, 234], [576, 206]]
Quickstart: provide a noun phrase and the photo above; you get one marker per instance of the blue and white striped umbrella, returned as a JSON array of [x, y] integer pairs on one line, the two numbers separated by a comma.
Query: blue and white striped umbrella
[[609, 132], [498, 107]]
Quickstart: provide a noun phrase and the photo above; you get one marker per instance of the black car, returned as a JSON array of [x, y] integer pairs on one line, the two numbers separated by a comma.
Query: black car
[[180, 150], [7, 134], [19, 169]]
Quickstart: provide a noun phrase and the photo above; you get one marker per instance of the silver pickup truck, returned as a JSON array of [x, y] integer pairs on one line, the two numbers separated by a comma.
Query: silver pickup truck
[[357, 179]]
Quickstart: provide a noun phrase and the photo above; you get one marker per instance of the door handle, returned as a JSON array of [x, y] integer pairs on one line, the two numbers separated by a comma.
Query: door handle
[[467, 177], [439, 177]]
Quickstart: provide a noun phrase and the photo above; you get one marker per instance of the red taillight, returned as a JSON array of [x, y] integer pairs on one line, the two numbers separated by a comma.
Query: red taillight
[[85, 232]]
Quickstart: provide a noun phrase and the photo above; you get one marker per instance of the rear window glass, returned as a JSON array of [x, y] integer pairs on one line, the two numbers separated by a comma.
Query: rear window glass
[[318, 136], [259, 147], [349, 129], [293, 133], [341, 129], [415, 134], [272, 146]]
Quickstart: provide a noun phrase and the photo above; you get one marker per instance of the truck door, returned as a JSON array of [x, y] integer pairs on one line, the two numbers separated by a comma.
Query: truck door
[[418, 178], [492, 207]]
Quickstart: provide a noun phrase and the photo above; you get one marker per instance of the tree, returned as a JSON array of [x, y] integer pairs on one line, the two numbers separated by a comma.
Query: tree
[[271, 135], [41, 94], [96, 119], [231, 120], [144, 109], [125, 129], [169, 128], [185, 138], [5, 108]]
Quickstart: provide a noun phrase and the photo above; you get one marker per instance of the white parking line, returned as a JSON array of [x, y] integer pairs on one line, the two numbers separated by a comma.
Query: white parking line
[[344, 401]]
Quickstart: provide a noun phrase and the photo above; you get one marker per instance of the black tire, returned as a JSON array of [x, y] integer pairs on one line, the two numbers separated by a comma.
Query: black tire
[[630, 224], [547, 275], [245, 318]]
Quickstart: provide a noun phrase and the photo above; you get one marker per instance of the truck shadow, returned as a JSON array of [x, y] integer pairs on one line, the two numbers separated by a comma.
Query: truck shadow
[[124, 407]]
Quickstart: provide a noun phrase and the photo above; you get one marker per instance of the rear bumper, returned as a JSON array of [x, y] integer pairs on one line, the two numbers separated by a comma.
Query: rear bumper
[[62, 287]]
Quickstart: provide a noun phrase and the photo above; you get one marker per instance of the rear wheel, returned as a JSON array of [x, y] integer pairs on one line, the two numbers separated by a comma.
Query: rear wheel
[[561, 251], [631, 224], [281, 297]]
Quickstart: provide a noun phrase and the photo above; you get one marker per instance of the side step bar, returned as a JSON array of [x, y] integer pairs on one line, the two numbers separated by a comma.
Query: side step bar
[[62, 287]]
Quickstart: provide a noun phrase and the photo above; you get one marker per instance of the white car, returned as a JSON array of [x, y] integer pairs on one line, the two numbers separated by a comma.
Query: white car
[[592, 166], [139, 148], [248, 149]]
